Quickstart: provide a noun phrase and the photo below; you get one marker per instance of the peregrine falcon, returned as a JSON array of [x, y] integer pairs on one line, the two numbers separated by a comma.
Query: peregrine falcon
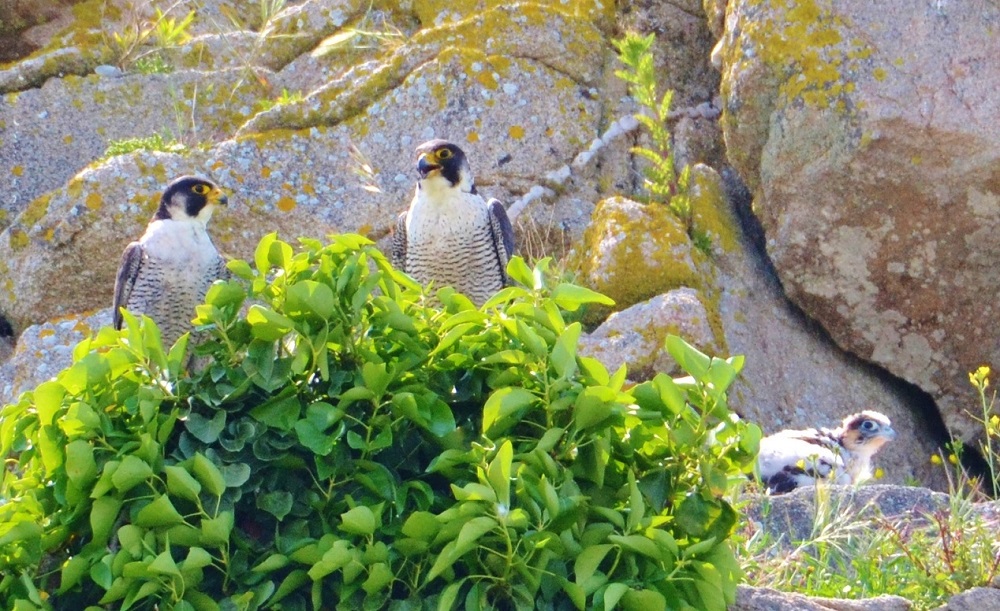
[[842, 455], [166, 273], [450, 235]]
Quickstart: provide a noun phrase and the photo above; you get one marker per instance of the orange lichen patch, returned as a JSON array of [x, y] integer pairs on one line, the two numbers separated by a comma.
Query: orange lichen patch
[[68, 139], [94, 201], [218, 165], [46, 333], [286, 204], [309, 189], [82, 328], [265, 172], [17, 170], [472, 136], [879, 74], [516, 132]]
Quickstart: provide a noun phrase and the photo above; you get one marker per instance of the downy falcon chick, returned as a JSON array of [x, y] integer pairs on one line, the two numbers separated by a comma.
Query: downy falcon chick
[[450, 235], [166, 273], [842, 455]]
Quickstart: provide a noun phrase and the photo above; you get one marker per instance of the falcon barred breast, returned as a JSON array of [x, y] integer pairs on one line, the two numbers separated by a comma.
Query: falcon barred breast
[[841, 455], [450, 235], [166, 273]]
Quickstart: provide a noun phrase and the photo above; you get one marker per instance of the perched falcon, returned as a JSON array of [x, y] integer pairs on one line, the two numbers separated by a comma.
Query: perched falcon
[[451, 235], [842, 455], [166, 273]]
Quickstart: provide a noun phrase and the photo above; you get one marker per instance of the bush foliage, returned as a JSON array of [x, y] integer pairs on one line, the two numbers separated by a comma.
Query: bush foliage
[[349, 443]]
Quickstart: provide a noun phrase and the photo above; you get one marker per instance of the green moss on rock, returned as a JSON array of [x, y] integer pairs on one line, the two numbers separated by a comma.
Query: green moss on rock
[[632, 252]]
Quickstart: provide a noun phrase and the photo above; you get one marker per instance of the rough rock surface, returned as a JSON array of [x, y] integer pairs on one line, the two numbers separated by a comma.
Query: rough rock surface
[[867, 133], [635, 336], [766, 599], [976, 599], [44, 350], [632, 252]]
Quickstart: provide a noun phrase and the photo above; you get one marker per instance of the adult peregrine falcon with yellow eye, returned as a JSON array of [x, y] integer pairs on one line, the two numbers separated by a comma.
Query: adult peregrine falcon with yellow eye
[[166, 273], [450, 235]]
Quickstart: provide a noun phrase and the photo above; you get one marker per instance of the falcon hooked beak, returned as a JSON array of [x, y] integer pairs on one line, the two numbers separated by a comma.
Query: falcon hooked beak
[[217, 197], [443, 159], [427, 164]]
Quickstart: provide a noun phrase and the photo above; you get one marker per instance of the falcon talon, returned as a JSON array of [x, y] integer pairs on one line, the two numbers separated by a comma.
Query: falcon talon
[[166, 273], [842, 455], [450, 235]]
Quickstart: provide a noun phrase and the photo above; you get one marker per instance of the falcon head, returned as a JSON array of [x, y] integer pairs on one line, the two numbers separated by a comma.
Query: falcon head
[[190, 198], [866, 432], [442, 164]]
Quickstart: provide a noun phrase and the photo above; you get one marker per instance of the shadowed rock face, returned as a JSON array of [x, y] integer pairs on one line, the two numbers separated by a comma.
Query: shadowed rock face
[[17, 20], [868, 134]]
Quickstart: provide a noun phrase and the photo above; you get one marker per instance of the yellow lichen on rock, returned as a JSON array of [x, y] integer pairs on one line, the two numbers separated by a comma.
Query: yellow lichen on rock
[[806, 42], [632, 252], [710, 211]]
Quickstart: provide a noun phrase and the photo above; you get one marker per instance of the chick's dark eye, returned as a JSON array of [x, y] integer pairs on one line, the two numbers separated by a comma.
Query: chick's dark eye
[[200, 189], [868, 425], [444, 154]]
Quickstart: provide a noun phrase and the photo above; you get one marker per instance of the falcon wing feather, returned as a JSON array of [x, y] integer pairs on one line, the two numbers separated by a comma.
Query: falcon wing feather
[[397, 256], [128, 271], [503, 234]]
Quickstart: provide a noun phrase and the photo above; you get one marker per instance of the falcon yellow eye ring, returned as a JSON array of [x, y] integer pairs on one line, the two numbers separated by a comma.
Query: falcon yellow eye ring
[[444, 154], [200, 189]]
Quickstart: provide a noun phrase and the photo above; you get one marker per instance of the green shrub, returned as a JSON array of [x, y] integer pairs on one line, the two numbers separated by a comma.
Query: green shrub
[[347, 444]]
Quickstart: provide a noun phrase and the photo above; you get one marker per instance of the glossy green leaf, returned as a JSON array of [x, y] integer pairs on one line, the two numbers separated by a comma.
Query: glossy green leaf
[[81, 468], [505, 407], [161, 512], [614, 593], [380, 576], [216, 531], [182, 484], [164, 564], [103, 514], [268, 325], [499, 472], [48, 400], [19, 531], [310, 298], [208, 474], [643, 600], [571, 297], [204, 429], [587, 562], [688, 357], [272, 563], [358, 521], [564, 352], [277, 503]]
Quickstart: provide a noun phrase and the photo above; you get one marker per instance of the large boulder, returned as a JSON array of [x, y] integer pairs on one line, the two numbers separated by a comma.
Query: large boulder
[[868, 132]]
